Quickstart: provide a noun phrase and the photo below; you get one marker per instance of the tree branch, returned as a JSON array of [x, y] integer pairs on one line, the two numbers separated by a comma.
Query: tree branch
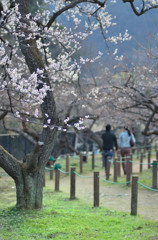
[[30, 132], [72, 4], [143, 10], [9, 163], [33, 160], [20, 132], [145, 132], [1, 9], [93, 136], [152, 132], [2, 116]]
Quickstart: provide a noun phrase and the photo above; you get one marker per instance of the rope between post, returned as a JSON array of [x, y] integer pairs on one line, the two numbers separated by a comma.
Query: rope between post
[[147, 187], [140, 163], [63, 171], [81, 175], [49, 169], [113, 182]]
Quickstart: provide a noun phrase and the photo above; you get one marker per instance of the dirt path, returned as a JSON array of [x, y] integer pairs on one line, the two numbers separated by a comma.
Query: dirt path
[[112, 196], [116, 197]]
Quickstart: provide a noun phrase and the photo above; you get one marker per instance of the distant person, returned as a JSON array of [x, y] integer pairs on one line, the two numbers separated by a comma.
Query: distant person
[[126, 141], [109, 142]]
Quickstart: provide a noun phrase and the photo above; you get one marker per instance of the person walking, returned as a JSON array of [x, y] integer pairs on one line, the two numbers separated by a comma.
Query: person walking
[[109, 142], [126, 140]]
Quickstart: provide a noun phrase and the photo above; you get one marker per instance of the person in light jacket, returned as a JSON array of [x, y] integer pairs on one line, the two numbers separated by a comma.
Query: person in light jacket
[[125, 147]]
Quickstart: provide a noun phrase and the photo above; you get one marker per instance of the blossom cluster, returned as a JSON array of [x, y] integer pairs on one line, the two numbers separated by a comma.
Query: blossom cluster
[[58, 46]]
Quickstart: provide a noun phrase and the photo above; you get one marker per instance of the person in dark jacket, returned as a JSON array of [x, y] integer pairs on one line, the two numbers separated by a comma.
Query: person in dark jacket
[[109, 142]]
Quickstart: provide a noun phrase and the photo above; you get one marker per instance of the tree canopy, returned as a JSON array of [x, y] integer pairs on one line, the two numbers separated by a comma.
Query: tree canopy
[[42, 87]]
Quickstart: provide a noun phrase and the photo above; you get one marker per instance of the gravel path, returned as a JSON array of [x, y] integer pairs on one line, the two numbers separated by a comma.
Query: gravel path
[[114, 196]]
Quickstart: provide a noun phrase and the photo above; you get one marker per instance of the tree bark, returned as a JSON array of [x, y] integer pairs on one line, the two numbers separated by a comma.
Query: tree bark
[[29, 190], [29, 175], [29, 182]]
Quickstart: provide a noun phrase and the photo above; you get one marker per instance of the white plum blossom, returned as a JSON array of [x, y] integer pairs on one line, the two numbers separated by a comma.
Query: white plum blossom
[[115, 52], [25, 90]]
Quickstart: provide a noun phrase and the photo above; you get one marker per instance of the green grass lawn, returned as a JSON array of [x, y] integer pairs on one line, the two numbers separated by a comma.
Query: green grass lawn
[[61, 218]]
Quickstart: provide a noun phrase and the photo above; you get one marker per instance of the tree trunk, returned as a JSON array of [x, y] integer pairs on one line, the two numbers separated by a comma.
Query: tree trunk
[[28, 178], [29, 190]]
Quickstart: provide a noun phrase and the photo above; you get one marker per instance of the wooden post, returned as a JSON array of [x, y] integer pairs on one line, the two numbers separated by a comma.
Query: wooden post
[[131, 163], [103, 164], [81, 163], [51, 163], [128, 171], [149, 158], [144, 150], [134, 195], [138, 152], [67, 163], [154, 182], [118, 165], [57, 178], [84, 158], [51, 174], [141, 163], [93, 164], [96, 189], [108, 168], [115, 169], [72, 184]]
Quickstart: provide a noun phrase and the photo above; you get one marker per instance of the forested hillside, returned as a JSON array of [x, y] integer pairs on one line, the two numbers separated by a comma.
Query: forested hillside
[[140, 28]]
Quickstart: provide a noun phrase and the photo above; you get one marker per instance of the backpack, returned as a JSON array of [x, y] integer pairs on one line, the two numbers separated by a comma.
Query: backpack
[[131, 141]]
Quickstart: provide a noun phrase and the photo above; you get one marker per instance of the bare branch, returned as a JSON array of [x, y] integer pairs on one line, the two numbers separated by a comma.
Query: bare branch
[[30, 132], [2, 116], [143, 10], [20, 132], [33, 161], [1, 9], [148, 123], [152, 132], [9, 163], [93, 136]]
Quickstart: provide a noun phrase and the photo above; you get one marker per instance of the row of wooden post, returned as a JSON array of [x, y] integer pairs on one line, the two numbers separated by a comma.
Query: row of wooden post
[[116, 172], [118, 158], [134, 193], [117, 165], [81, 164], [134, 186], [116, 169], [134, 189]]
